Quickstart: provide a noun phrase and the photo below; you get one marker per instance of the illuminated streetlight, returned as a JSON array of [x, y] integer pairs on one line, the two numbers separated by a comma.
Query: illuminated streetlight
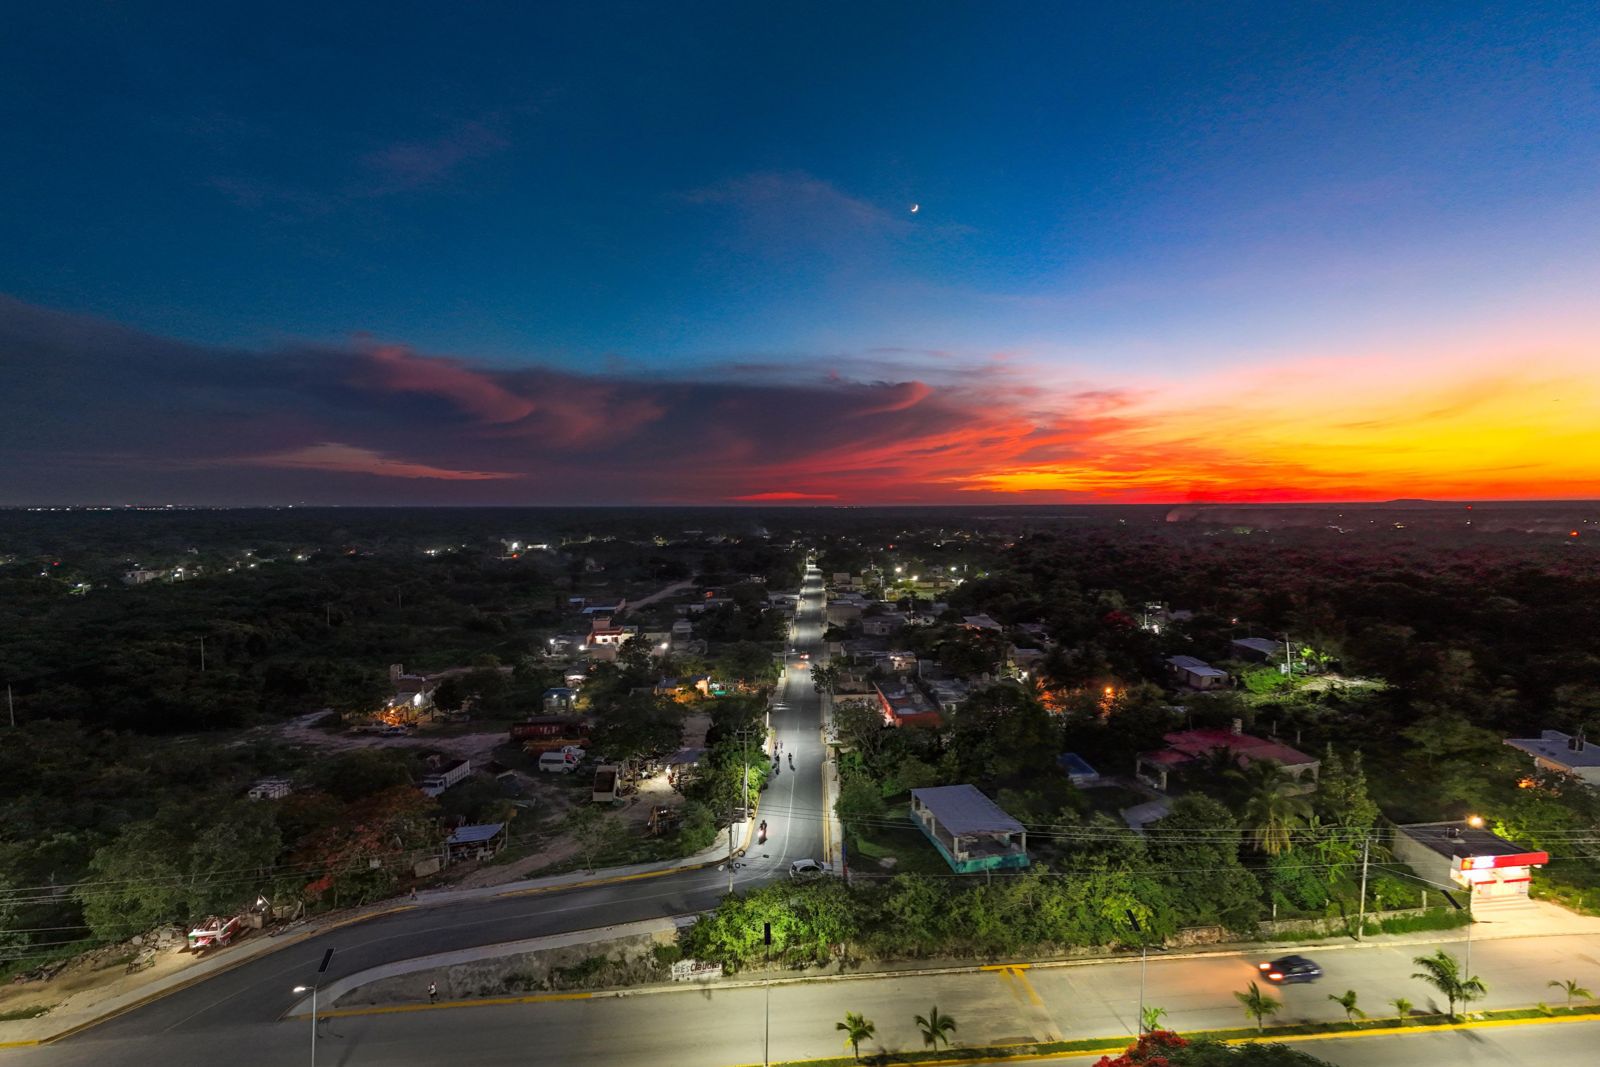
[[1475, 821]]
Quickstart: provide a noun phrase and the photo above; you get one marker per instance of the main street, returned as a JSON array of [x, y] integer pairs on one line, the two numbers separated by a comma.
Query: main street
[[709, 1027], [259, 991]]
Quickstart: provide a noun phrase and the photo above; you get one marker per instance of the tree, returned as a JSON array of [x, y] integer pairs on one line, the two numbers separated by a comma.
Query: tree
[[857, 1028], [1572, 989], [12, 939], [1257, 1005], [1271, 811], [1402, 1006], [1195, 855], [859, 801], [935, 1028], [1341, 798], [1443, 973], [594, 831], [1347, 1001], [135, 883]]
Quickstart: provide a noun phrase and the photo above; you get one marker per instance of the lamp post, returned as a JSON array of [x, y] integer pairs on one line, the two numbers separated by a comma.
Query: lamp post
[[313, 989], [1467, 908], [766, 984], [1144, 952], [322, 969]]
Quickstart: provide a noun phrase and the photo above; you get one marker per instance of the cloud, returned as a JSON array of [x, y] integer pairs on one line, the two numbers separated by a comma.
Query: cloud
[[91, 411], [400, 370], [346, 459], [412, 164]]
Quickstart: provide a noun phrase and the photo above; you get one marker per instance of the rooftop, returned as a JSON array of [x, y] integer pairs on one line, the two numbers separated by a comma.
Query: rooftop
[[1454, 839], [472, 835], [1266, 646], [1190, 744], [1196, 666], [1557, 747], [963, 809]]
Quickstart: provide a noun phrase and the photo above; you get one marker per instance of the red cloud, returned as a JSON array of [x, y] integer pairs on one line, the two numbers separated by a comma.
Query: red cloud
[[399, 370]]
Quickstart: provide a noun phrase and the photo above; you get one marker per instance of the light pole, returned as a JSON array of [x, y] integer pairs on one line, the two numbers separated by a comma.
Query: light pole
[[322, 969], [313, 989], [766, 984], [1467, 908], [1144, 952]]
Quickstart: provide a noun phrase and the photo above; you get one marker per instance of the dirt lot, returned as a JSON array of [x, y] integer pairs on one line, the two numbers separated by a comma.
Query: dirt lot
[[477, 746]]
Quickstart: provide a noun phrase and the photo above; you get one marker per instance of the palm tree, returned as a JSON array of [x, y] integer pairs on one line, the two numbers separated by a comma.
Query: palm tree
[[1402, 1006], [1151, 1019], [1441, 971], [857, 1028], [1572, 989], [935, 1028], [1270, 810], [1257, 1005], [1347, 1001]]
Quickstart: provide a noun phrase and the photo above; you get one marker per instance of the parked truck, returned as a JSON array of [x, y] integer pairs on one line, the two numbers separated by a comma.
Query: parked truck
[[607, 783]]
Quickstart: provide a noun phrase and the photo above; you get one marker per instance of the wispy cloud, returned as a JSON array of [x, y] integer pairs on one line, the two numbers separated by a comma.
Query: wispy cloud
[[330, 456], [407, 165]]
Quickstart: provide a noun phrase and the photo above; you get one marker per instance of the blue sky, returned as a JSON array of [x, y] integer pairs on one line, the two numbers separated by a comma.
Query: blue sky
[[1113, 195]]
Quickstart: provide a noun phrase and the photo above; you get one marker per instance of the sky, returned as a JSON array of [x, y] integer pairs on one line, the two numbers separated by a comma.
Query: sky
[[824, 253]]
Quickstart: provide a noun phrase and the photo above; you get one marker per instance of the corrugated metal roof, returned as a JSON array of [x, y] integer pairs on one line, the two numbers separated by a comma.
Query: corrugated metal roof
[[963, 809], [472, 835]]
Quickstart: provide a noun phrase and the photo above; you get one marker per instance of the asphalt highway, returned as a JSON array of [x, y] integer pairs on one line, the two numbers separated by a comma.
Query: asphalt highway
[[727, 1026]]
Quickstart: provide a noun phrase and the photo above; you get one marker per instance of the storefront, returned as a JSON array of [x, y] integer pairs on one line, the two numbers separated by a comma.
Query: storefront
[[1497, 872]]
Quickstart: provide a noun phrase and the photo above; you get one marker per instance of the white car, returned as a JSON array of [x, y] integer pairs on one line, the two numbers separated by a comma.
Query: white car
[[806, 869]]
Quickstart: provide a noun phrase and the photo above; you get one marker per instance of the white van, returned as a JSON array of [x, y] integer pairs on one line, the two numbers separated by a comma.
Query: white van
[[564, 762]]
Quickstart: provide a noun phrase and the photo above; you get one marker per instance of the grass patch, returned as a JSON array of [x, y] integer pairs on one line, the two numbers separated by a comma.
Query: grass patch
[[15, 1015], [911, 852]]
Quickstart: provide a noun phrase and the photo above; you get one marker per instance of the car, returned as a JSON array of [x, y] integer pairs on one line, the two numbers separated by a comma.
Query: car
[[806, 869], [1290, 969]]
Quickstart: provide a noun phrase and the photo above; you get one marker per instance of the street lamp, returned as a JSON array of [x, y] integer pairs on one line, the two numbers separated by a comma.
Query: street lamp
[[313, 991], [1144, 952], [1475, 821], [322, 969]]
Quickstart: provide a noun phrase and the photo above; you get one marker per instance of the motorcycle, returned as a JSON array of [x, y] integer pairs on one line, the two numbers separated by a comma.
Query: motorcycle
[[761, 833]]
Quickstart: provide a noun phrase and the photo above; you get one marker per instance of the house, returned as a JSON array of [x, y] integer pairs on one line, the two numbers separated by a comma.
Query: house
[[415, 690], [1188, 747], [1077, 769], [609, 608], [270, 789], [1027, 660], [1553, 750], [445, 775], [601, 632], [1256, 649], [949, 692], [682, 633], [1497, 872], [900, 662], [981, 623], [560, 699], [885, 625], [844, 610], [1196, 673], [906, 707], [478, 842], [969, 830]]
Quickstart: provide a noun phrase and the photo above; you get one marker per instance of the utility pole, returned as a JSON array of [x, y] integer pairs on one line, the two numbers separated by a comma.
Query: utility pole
[[202, 654], [11, 705], [1361, 920], [1288, 658]]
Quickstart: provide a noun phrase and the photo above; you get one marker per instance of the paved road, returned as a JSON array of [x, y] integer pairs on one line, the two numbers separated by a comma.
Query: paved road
[[713, 1027], [220, 1011]]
